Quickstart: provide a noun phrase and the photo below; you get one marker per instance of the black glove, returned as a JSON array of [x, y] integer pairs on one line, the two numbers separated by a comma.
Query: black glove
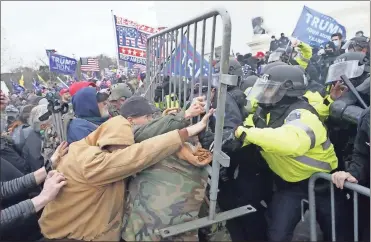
[[206, 138]]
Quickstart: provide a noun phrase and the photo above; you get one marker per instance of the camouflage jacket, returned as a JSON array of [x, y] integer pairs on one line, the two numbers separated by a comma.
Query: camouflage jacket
[[168, 193]]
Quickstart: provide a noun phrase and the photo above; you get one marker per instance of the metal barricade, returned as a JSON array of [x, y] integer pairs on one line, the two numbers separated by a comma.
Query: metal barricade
[[312, 204], [174, 42]]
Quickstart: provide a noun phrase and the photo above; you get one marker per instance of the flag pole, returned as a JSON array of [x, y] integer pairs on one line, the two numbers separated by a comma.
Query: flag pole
[[115, 38], [59, 79]]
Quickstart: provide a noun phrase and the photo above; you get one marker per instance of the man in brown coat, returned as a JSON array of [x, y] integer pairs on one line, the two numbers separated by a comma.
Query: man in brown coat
[[91, 205]]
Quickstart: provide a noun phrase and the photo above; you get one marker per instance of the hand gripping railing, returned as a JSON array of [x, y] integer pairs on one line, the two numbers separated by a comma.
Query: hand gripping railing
[[312, 204]]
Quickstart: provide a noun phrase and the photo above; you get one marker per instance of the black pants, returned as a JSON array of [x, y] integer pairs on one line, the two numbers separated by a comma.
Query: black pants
[[284, 212], [247, 189]]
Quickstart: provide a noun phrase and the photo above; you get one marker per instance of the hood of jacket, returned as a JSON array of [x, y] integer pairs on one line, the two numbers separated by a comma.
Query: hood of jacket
[[85, 103]]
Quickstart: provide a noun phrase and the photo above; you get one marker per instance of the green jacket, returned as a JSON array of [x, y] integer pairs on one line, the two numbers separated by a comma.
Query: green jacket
[[168, 193]]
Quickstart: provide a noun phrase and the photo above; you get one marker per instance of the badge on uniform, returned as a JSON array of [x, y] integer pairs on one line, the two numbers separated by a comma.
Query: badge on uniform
[[294, 115]]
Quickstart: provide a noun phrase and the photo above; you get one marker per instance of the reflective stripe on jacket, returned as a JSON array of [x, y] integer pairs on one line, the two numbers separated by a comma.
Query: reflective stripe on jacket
[[298, 148]]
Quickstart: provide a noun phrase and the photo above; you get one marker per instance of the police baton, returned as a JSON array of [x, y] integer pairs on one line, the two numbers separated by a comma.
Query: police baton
[[353, 90]]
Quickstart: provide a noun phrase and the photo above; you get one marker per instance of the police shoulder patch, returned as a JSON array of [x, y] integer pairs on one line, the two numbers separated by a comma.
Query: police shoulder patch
[[294, 115]]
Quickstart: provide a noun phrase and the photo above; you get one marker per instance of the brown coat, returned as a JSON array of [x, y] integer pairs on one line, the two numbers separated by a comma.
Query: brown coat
[[90, 206]]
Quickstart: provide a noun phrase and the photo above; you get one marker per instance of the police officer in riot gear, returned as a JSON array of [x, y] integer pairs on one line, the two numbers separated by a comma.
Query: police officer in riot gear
[[358, 171], [328, 56], [317, 95], [358, 44], [163, 99], [294, 143], [235, 102], [354, 65]]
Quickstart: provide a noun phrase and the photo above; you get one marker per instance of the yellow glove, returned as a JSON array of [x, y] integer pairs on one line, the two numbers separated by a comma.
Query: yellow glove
[[241, 133], [249, 121]]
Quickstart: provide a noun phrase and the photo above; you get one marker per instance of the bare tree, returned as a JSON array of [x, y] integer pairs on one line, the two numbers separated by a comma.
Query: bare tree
[[6, 53]]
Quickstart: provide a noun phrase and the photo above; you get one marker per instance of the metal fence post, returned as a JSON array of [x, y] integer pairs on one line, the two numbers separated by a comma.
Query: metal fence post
[[152, 80], [357, 189]]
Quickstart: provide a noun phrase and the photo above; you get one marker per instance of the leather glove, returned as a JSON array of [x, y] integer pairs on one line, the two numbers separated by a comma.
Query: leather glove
[[206, 138], [241, 133]]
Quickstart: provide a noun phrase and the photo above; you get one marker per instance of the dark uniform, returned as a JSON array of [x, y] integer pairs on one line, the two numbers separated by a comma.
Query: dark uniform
[[245, 181], [341, 132]]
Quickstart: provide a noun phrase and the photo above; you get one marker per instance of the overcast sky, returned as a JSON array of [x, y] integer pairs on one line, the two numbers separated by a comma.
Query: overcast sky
[[86, 29]]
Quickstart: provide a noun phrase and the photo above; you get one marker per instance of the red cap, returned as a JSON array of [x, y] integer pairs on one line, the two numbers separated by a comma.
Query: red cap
[[259, 55], [79, 85], [63, 91]]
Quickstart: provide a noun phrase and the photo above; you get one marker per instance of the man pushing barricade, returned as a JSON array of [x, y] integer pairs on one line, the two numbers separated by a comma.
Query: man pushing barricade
[[97, 169], [171, 191]]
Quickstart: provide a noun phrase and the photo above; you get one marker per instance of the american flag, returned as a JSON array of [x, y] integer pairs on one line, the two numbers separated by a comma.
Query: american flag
[[89, 64], [130, 37], [142, 40], [129, 41], [50, 51]]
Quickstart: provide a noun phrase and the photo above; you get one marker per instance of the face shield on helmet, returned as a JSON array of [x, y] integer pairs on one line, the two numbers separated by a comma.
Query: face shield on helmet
[[266, 91], [350, 69], [274, 56]]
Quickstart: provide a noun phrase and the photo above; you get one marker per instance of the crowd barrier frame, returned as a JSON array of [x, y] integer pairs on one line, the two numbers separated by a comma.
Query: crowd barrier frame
[[160, 48], [357, 189]]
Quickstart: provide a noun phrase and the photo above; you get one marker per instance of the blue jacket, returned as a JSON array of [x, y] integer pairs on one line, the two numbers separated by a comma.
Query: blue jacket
[[87, 115]]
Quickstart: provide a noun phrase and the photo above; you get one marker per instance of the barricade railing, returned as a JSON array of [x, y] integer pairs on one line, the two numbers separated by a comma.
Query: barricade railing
[[164, 52], [357, 189]]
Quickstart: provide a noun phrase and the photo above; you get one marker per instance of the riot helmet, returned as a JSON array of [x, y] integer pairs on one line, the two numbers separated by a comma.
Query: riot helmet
[[354, 65], [273, 64], [276, 55], [235, 69], [278, 82], [248, 82], [358, 44]]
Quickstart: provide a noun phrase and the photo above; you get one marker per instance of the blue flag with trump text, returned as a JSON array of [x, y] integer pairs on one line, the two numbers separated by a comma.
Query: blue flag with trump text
[[315, 28], [62, 64], [182, 64]]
